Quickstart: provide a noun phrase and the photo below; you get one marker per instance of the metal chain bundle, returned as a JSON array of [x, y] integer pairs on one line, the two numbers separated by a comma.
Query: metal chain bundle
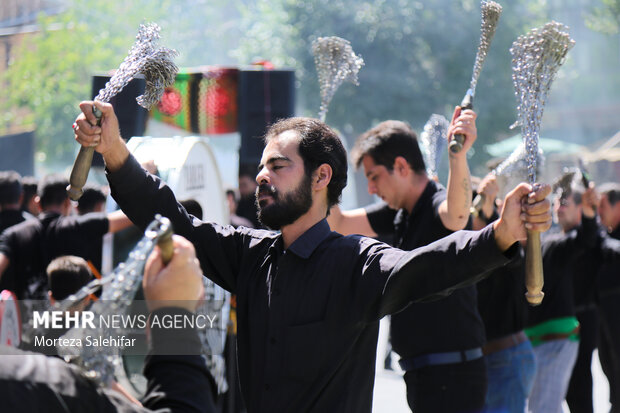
[[536, 58], [512, 170], [433, 142], [119, 291], [509, 173], [335, 63], [490, 12], [159, 72], [154, 63]]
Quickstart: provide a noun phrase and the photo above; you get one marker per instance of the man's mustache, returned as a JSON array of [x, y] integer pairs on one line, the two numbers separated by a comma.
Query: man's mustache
[[266, 189]]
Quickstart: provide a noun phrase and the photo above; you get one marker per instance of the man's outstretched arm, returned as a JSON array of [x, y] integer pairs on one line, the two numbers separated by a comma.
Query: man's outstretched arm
[[393, 278]]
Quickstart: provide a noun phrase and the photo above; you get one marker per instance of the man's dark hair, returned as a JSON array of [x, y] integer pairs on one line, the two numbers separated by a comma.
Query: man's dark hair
[[612, 191], [29, 186], [66, 275], [10, 187], [319, 144], [232, 193], [570, 184], [92, 196], [248, 169], [53, 190], [192, 207], [385, 142]]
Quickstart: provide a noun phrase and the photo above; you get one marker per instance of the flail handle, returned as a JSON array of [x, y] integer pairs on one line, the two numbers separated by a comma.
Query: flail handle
[[166, 246], [534, 279], [476, 205], [81, 166], [456, 144]]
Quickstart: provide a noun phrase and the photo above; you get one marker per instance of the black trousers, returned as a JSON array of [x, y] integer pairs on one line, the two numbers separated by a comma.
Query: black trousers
[[579, 395], [448, 388], [608, 350]]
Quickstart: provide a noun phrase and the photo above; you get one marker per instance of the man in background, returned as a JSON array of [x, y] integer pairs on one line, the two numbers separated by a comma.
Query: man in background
[[30, 246]]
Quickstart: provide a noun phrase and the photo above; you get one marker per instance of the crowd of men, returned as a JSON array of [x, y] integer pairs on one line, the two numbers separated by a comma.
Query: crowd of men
[[311, 289]]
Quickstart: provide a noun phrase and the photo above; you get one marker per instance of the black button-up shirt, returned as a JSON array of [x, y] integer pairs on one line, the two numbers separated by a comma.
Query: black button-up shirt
[[450, 324], [308, 315]]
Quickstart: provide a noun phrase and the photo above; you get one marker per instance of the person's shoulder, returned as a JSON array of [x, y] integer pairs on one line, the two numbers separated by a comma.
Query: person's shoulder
[[556, 238], [437, 192], [22, 227], [354, 242], [77, 220]]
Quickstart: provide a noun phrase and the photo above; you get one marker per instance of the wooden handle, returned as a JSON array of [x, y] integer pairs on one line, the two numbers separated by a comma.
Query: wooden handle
[[456, 144], [534, 280], [79, 173], [166, 246], [476, 205], [81, 166]]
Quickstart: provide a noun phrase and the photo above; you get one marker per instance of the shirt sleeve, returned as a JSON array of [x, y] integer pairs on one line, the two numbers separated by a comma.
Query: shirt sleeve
[[180, 382], [220, 249], [5, 244], [392, 278], [381, 218]]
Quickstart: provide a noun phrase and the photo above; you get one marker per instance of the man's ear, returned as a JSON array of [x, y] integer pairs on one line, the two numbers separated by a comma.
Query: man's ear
[[322, 177], [401, 166]]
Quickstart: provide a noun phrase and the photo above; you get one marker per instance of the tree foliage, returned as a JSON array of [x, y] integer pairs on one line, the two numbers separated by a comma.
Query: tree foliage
[[605, 18], [55, 66], [418, 58]]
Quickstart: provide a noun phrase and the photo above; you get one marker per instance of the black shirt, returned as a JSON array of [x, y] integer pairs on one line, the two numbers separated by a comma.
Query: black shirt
[[450, 324], [32, 244], [308, 315], [32, 382], [560, 251], [246, 208], [609, 270], [501, 300], [10, 217]]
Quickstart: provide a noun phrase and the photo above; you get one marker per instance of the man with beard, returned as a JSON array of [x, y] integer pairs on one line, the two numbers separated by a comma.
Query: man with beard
[[308, 299]]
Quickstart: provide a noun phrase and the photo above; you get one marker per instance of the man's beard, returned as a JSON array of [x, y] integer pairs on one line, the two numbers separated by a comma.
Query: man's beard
[[286, 208]]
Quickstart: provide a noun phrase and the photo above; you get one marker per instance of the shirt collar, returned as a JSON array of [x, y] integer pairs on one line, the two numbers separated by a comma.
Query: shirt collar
[[402, 215], [305, 245]]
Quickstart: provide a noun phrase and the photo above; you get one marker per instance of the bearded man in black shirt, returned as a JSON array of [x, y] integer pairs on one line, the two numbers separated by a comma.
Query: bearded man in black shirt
[[308, 299]]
